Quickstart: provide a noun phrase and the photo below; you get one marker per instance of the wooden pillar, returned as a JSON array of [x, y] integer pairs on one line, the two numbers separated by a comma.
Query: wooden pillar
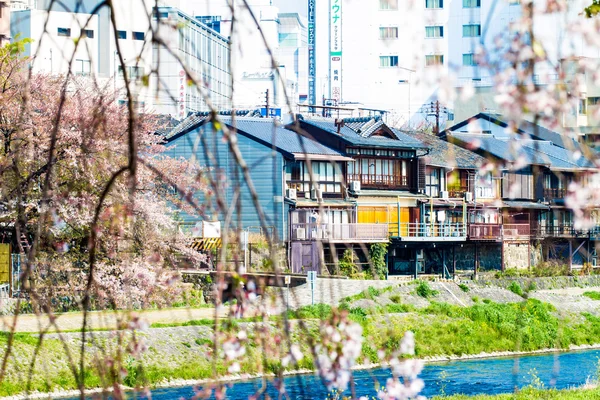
[[476, 263], [453, 261]]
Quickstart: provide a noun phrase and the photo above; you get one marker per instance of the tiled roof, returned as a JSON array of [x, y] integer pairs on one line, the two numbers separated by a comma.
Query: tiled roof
[[448, 155], [353, 138], [263, 130], [503, 149], [532, 152]]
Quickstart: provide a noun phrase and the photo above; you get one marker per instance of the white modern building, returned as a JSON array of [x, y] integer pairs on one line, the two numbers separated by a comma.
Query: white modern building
[[84, 41], [399, 55], [255, 75]]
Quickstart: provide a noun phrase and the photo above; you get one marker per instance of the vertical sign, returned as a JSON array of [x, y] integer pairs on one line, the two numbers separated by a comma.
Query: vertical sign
[[181, 99], [335, 49], [312, 66]]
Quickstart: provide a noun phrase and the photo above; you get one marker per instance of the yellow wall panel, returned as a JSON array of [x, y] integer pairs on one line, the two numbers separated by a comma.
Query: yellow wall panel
[[4, 262]]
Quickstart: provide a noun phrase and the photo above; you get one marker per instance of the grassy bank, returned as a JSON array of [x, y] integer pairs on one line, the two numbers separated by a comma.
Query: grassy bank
[[185, 351], [534, 394]]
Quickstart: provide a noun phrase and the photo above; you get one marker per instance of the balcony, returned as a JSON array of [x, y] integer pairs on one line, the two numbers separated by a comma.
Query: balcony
[[456, 192], [427, 232], [380, 181], [340, 233], [516, 231], [564, 231], [485, 232], [554, 193]]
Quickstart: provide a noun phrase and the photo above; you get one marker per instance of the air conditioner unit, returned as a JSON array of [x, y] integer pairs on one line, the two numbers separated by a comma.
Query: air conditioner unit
[[301, 233], [444, 194], [468, 197], [291, 194], [316, 194], [355, 186]]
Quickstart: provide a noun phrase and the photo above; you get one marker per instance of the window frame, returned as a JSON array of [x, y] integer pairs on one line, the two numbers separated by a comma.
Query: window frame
[[64, 32], [135, 35], [391, 59], [85, 33], [390, 5], [388, 29], [438, 4], [435, 58], [469, 33], [122, 35], [469, 2], [473, 62], [440, 30]]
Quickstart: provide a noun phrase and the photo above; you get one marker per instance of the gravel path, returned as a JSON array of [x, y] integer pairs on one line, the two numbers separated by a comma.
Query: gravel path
[[103, 320]]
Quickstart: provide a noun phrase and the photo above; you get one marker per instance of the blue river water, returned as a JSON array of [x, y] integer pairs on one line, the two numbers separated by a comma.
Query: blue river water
[[483, 376]]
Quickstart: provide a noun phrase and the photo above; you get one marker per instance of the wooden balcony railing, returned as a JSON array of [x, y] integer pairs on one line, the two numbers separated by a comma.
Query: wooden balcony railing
[[337, 232], [373, 180], [553, 193], [427, 230], [457, 192], [485, 231], [516, 231]]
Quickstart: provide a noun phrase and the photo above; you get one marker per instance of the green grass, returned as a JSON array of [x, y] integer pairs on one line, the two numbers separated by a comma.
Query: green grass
[[464, 287], [534, 394], [592, 295], [515, 288], [424, 290]]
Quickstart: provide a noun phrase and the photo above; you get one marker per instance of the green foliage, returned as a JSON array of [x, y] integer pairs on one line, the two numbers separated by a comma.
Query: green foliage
[[424, 290], [203, 342], [464, 287], [396, 299], [592, 295], [529, 393], [373, 292], [515, 288], [347, 266], [593, 9], [318, 311], [399, 308], [377, 253]]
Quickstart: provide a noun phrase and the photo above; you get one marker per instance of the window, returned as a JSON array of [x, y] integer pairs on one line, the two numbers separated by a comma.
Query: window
[[87, 33], [288, 39], [83, 67], [472, 30], [388, 4], [64, 32], [432, 182], [582, 107], [390, 32], [471, 3], [434, 59], [593, 101], [138, 35], [469, 60], [434, 31], [121, 34], [136, 72], [388, 61], [434, 3]]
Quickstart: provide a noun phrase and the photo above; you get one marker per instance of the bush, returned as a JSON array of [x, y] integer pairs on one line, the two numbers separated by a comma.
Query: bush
[[464, 288], [592, 295], [396, 299], [347, 266], [515, 288], [318, 311], [377, 253], [424, 290], [399, 308]]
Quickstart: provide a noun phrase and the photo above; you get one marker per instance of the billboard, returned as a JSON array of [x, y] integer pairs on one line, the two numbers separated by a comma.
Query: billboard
[[312, 66], [335, 49]]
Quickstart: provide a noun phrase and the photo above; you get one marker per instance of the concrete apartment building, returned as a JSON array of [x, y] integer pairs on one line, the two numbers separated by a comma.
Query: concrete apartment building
[[203, 50], [253, 70], [394, 53]]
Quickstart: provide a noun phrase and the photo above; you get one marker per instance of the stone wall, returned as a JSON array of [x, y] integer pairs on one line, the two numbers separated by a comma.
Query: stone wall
[[516, 255]]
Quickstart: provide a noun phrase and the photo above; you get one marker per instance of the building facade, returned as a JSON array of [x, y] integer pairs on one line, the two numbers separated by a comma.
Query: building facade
[[85, 44]]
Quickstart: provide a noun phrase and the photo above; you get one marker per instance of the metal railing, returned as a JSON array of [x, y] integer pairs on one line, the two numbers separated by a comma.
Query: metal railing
[[422, 229], [339, 232], [564, 230], [485, 231]]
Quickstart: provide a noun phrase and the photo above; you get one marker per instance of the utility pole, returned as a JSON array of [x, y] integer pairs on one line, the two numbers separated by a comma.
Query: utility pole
[[435, 109], [267, 103]]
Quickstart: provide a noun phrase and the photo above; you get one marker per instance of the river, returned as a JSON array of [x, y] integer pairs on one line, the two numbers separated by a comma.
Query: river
[[478, 376]]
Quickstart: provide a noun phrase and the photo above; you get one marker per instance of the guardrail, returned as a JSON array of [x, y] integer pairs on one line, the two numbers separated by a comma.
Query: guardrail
[[485, 231], [428, 230], [339, 232]]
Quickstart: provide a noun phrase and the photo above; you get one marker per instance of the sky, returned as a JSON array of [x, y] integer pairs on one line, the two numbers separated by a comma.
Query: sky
[[299, 6]]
